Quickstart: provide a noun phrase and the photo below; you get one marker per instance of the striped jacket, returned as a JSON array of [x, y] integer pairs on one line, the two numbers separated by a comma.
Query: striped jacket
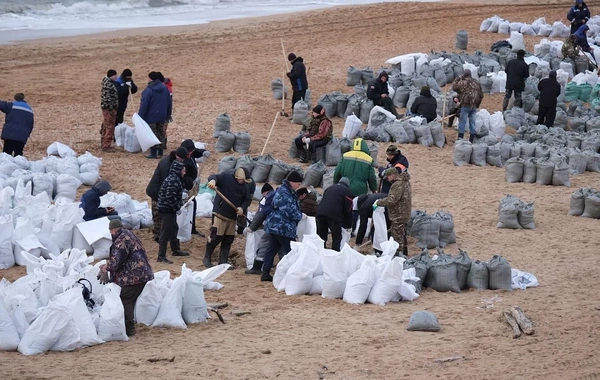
[[19, 121], [357, 166]]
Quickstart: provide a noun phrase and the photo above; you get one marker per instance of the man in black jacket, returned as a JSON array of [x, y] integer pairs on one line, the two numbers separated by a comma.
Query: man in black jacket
[[425, 105], [124, 84], [365, 212], [549, 92], [297, 78], [517, 71], [191, 173], [169, 205], [264, 209], [380, 95], [395, 158], [153, 188], [234, 187], [335, 212]]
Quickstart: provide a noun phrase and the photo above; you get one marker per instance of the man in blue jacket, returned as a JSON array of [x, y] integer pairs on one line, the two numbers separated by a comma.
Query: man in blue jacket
[[90, 202], [282, 221], [155, 108], [18, 125], [579, 14]]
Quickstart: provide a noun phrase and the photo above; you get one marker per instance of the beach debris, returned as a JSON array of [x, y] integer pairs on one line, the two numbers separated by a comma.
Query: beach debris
[[449, 359], [518, 321], [155, 360]]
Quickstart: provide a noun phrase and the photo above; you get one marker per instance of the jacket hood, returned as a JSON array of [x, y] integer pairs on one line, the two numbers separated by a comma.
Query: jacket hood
[[158, 86], [103, 187], [581, 31], [360, 144], [344, 181], [383, 74], [404, 176], [176, 167]]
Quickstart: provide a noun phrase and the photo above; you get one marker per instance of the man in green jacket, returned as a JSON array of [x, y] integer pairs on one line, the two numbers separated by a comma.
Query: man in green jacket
[[357, 166]]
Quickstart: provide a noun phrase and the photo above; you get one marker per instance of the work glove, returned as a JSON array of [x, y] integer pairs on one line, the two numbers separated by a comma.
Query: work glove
[[375, 205], [128, 83], [307, 140], [178, 212], [212, 184], [240, 211], [185, 196], [247, 230], [102, 277], [206, 154]]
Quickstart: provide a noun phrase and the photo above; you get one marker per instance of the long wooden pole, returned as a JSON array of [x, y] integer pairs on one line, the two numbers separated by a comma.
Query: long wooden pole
[[270, 132]]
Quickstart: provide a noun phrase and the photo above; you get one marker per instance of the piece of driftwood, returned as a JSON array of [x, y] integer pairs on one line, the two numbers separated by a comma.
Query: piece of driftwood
[[217, 313], [450, 359], [239, 313], [154, 360], [513, 324], [218, 305], [524, 323]]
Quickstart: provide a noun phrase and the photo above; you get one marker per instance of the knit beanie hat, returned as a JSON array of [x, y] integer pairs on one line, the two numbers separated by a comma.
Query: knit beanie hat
[[291, 57], [266, 188], [181, 152], [115, 223], [294, 176]]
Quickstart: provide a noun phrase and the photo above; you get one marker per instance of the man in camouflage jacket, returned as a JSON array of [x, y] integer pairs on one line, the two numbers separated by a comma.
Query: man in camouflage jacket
[[470, 96], [109, 102], [399, 205]]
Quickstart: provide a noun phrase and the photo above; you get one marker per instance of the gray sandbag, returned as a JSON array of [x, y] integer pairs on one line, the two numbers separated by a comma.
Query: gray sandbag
[[245, 161], [577, 204], [560, 175], [301, 112], [360, 91], [527, 150], [515, 150], [528, 103], [561, 120], [241, 143], [514, 170], [462, 39], [463, 267], [353, 77], [592, 206], [525, 216], [428, 232], [545, 168], [442, 274], [424, 136], [293, 150], [592, 161], [353, 106], [226, 163], [225, 142], [329, 103], [377, 119], [478, 277], [421, 267], [345, 145], [262, 167], [508, 213], [541, 151], [409, 128], [341, 102], [504, 151], [530, 170], [328, 179], [314, 174], [578, 125], [279, 90], [478, 156], [447, 234], [489, 140], [437, 133], [278, 172], [365, 110], [397, 132], [222, 124], [423, 321], [592, 124], [411, 97], [574, 142], [367, 75], [486, 84], [373, 151], [462, 153], [577, 162], [590, 142], [493, 156], [333, 152], [401, 96], [500, 273], [514, 117]]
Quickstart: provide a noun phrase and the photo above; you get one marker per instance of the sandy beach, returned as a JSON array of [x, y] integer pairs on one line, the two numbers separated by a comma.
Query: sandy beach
[[227, 66]]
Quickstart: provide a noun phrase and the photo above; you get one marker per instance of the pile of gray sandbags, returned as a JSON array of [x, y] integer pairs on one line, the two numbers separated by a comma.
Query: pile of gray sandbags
[[585, 202], [432, 230], [516, 214], [261, 168], [541, 171], [447, 273], [228, 140], [415, 130]]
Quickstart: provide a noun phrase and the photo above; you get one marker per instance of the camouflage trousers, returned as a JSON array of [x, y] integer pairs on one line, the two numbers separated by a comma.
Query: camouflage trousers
[[156, 220], [159, 131], [107, 131], [398, 232]]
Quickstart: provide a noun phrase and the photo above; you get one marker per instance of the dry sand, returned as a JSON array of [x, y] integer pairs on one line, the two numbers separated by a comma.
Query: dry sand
[[227, 67]]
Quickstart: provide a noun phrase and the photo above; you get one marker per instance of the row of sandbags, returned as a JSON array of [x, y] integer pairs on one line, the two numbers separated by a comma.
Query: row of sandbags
[[415, 130], [585, 202], [560, 138], [541, 171], [431, 230], [262, 168], [309, 268], [46, 311], [515, 214], [238, 141], [539, 27]]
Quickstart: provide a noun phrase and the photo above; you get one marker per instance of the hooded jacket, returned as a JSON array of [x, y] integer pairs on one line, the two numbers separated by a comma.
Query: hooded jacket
[[399, 160], [234, 191], [298, 75], [425, 105], [578, 15], [337, 204], [128, 262], [160, 173], [90, 201], [549, 92], [399, 200], [286, 214], [156, 103], [517, 70], [109, 96], [123, 91], [581, 38], [469, 91], [171, 190], [357, 166], [19, 121], [377, 87]]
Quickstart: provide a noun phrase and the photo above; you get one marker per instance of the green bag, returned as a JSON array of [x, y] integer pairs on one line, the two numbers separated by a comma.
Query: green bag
[[584, 92], [571, 92]]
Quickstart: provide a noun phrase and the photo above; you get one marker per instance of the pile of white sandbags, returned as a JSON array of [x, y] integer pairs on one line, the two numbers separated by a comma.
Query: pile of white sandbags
[[46, 311], [134, 214], [539, 27], [309, 268]]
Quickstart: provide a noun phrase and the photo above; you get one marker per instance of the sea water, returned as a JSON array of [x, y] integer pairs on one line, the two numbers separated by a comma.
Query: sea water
[[29, 19]]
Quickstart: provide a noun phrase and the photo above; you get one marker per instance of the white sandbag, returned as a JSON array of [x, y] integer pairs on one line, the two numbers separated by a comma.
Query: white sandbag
[[184, 221], [7, 257], [169, 314], [317, 285], [145, 137], [55, 323], [351, 127], [517, 41], [130, 140], [148, 303], [380, 225], [210, 275], [194, 308], [73, 300], [252, 240], [9, 338], [360, 283], [497, 126], [523, 280], [389, 117], [299, 277], [59, 149], [284, 265], [306, 226], [386, 287], [334, 275], [111, 326], [66, 187]]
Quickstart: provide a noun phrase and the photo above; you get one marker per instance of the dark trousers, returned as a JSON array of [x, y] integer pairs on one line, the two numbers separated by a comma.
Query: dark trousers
[[387, 104], [325, 224], [297, 96], [120, 117], [168, 233], [546, 116], [13, 146], [129, 296], [312, 145], [507, 96], [276, 244], [362, 228]]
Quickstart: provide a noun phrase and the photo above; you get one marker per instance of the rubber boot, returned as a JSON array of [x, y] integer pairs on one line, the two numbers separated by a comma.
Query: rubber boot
[[256, 267], [208, 256], [460, 136], [175, 247], [152, 153], [313, 157], [303, 156], [471, 138], [162, 254], [159, 152], [505, 104]]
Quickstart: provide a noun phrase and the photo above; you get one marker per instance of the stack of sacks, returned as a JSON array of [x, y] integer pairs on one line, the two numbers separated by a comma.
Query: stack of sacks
[[310, 269], [539, 27], [516, 214], [585, 202], [45, 311], [134, 214], [432, 231]]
